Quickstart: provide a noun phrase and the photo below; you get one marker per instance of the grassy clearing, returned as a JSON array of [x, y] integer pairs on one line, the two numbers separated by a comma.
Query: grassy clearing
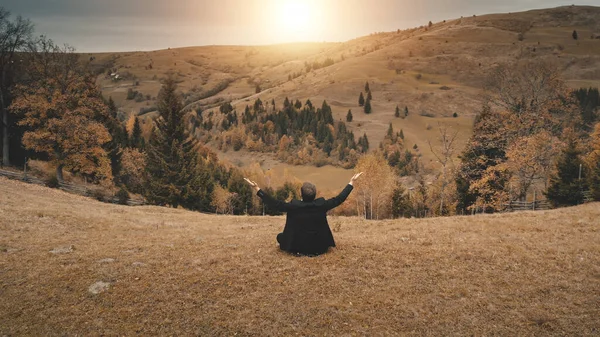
[[181, 273]]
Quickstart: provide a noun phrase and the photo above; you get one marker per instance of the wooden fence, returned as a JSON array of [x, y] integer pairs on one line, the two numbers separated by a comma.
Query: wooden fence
[[71, 188], [537, 205]]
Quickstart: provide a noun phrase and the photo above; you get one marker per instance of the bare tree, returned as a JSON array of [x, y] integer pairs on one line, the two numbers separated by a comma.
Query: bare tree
[[524, 87], [14, 38], [444, 155]]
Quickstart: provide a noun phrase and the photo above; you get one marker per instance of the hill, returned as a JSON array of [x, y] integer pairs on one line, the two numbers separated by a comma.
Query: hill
[[435, 71], [74, 266]]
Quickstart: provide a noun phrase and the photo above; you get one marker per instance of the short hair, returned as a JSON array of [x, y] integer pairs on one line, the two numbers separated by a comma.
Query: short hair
[[308, 191]]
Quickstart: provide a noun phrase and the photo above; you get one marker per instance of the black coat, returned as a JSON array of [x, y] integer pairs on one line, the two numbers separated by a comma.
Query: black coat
[[306, 229]]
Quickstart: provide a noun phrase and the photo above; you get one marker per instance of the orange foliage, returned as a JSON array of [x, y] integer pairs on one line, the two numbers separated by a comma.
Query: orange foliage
[[64, 122]]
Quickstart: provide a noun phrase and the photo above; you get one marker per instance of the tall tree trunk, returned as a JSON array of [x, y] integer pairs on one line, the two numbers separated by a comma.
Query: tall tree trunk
[[5, 147], [59, 173]]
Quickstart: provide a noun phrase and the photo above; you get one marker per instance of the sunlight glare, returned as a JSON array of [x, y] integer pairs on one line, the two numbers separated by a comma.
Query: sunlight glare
[[298, 20]]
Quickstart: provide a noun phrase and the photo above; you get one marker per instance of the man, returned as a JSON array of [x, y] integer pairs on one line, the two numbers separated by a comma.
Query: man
[[306, 229]]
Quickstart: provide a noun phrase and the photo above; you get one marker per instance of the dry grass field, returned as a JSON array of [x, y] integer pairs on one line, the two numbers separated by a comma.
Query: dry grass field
[[72, 266]]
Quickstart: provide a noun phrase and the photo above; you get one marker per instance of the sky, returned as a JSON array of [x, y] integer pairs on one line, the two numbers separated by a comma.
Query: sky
[[127, 25]]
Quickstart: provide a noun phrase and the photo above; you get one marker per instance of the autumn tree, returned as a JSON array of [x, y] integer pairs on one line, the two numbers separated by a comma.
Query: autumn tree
[[443, 153], [65, 114], [222, 200], [530, 160], [133, 169], [173, 165], [15, 35], [374, 190]]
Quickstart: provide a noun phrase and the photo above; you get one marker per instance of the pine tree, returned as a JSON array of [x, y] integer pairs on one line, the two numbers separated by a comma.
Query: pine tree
[[175, 177], [566, 186], [593, 162], [136, 140], [401, 135], [397, 113], [486, 148], [400, 203], [369, 96], [405, 111], [349, 116], [390, 131], [367, 88], [298, 104], [368, 106], [575, 36], [361, 100]]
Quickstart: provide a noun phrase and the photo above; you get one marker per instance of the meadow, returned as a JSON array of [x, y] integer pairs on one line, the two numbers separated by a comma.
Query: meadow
[[70, 265]]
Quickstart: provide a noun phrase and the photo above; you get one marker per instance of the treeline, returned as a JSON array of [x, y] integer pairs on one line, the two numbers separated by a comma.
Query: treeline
[[533, 132], [299, 133]]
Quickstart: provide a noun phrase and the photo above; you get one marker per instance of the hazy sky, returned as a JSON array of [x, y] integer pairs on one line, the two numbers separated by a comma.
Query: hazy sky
[[120, 25]]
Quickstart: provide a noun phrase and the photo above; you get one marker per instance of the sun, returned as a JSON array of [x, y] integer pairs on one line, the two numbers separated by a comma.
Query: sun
[[297, 20]]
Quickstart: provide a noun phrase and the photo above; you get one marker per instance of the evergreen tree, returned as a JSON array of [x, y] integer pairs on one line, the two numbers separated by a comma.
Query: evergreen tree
[[349, 116], [369, 96], [390, 131], [566, 188], [400, 203], [401, 135], [575, 36], [175, 177], [367, 88], [486, 148], [368, 106], [405, 111], [361, 100], [593, 161], [136, 139], [397, 113], [298, 104]]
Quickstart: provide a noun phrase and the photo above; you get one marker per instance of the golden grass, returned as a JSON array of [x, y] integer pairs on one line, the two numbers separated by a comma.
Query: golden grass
[[183, 273]]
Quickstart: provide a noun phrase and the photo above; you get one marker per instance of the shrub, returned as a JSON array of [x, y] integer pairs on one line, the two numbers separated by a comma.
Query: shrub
[[100, 194], [122, 196], [52, 181], [418, 76], [455, 115]]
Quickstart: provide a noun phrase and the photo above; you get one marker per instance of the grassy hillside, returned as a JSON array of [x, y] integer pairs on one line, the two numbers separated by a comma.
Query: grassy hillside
[[171, 272], [434, 71]]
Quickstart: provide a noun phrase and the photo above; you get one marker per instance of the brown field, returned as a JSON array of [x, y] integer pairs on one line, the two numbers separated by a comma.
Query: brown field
[[174, 272]]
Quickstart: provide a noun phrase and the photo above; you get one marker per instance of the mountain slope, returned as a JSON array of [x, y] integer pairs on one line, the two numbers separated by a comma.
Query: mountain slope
[[434, 71]]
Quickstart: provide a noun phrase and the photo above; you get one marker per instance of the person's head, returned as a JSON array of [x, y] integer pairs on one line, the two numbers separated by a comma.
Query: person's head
[[308, 191]]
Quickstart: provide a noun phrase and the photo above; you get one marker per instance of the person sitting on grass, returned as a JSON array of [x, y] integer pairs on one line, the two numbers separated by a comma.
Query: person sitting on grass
[[306, 230]]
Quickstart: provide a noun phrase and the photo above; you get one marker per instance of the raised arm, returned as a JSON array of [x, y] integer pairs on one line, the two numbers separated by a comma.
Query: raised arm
[[279, 205], [336, 201]]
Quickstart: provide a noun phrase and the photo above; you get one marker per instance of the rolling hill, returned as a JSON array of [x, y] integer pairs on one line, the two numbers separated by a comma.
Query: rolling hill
[[435, 71], [70, 265]]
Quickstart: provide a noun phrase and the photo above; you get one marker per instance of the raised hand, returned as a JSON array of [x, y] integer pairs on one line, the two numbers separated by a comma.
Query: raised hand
[[253, 184], [354, 178]]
